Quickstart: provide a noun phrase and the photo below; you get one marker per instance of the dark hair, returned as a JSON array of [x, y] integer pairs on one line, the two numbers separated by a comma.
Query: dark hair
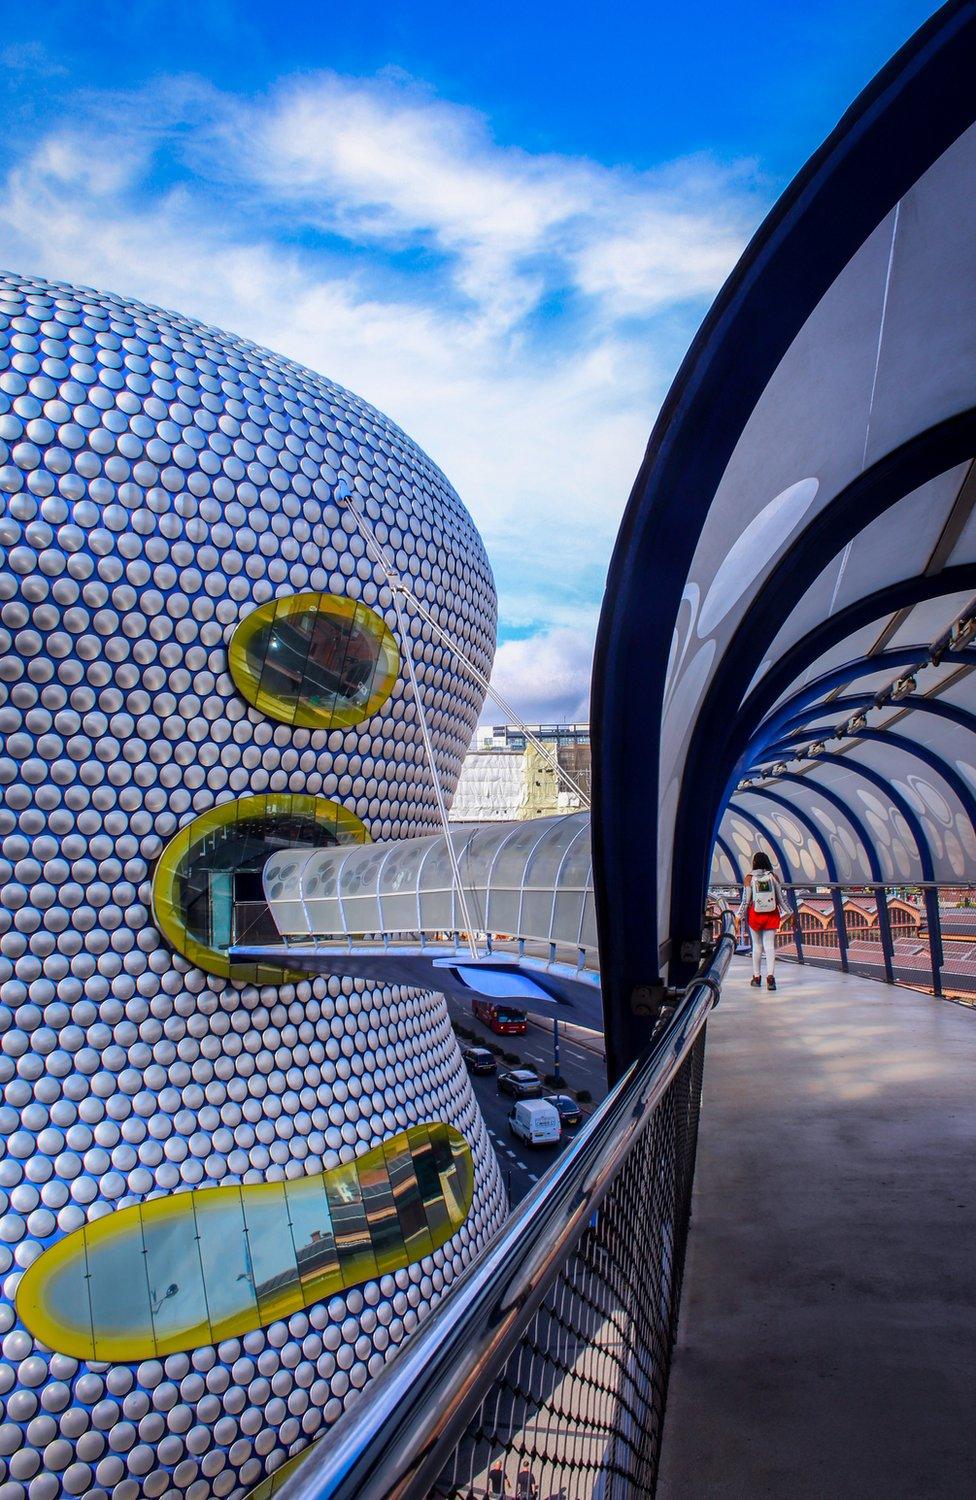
[[760, 861]]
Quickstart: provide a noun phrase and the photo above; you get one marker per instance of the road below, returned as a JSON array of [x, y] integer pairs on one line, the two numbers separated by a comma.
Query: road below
[[581, 1064]]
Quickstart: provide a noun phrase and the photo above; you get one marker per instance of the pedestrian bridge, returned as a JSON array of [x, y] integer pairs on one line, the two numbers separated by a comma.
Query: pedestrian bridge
[[784, 662], [828, 1317]]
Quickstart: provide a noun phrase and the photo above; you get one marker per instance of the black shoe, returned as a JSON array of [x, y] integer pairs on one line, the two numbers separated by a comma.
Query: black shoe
[[755, 981], [770, 983]]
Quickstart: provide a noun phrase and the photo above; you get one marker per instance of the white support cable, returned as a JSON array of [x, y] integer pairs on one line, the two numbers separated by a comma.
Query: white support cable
[[438, 793], [397, 585]]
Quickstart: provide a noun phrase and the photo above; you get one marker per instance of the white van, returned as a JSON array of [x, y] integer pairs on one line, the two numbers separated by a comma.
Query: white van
[[536, 1122]]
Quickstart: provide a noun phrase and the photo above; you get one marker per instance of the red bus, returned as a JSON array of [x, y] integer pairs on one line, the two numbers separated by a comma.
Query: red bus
[[504, 1020]]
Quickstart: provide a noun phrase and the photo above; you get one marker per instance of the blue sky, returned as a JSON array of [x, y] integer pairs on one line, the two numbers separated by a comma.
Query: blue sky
[[500, 223]]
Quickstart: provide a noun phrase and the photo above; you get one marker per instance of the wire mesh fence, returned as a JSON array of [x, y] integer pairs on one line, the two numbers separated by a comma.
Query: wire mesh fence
[[923, 936], [542, 1375], [576, 1411]]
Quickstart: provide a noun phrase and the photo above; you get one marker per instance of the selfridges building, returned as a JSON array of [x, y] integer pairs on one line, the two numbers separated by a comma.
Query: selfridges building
[[227, 1194]]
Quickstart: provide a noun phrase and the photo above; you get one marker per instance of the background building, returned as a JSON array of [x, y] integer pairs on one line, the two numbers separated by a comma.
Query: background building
[[505, 776]]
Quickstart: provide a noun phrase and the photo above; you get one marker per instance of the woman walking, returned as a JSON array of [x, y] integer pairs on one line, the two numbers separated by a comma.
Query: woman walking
[[764, 905]]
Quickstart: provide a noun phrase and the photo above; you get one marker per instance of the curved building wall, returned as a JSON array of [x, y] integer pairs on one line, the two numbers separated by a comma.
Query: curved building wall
[[159, 481]]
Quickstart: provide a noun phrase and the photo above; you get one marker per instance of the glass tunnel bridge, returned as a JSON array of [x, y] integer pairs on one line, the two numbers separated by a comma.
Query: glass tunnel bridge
[[785, 660]]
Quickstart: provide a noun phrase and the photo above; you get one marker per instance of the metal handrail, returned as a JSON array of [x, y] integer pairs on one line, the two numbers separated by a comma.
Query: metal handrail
[[394, 1442]]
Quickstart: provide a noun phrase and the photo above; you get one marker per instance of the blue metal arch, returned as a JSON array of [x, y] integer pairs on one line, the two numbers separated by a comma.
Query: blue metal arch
[[866, 166], [721, 734], [733, 862], [857, 702], [846, 622], [923, 753], [883, 661]]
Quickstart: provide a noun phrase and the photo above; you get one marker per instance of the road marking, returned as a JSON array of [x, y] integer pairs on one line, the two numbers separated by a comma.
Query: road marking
[[533, 1177]]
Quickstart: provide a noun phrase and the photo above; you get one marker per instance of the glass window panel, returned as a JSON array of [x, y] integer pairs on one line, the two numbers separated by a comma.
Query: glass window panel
[[406, 1195], [543, 865], [349, 1224], [63, 1300], [324, 917], [272, 1251], [566, 926], [503, 907], [536, 914], [428, 1176], [225, 1258], [177, 1296], [436, 910], [118, 1286], [510, 866], [381, 1214], [314, 1241], [400, 913], [361, 914], [451, 1183], [588, 937], [400, 871]]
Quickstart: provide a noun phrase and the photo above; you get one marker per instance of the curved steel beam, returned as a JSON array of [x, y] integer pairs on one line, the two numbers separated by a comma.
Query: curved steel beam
[[923, 753], [858, 702], [721, 734], [770, 838], [836, 628], [861, 666]]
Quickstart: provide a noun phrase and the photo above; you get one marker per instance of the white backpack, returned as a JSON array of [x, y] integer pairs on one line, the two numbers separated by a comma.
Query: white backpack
[[763, 893]]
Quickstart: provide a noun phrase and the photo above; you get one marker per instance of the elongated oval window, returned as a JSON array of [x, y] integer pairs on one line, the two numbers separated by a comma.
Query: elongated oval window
[[208, 890], [194, 1268], [315, 661]]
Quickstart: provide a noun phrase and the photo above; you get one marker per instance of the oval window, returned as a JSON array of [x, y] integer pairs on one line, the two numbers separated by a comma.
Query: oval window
[[208, 891], [315, 661], [194, 1268]]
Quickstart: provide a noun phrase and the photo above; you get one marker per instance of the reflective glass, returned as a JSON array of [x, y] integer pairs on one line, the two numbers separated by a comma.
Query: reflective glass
[[194, 1268], [429, 1178], [226, 1263], [406, 1196], [118, 1288], [381, 1214], [349, 1224], [315, 661], [62, 1309], [311, 1231], [272, 1251], [208, 886], [178, 1301]]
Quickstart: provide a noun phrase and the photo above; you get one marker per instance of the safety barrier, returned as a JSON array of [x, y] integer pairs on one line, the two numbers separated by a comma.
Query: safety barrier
[[922, 935], [544, 1371]]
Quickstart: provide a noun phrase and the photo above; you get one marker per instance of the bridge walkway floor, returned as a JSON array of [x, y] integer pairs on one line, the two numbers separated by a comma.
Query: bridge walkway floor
[[827, 1340]]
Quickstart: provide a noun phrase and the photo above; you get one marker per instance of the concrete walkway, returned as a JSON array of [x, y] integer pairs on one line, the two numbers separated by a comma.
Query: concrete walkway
[[827, 1343]]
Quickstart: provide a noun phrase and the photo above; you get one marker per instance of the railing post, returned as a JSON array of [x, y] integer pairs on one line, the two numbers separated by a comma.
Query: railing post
[[797, 936], [840, 922], [936, 952], [884, 930]]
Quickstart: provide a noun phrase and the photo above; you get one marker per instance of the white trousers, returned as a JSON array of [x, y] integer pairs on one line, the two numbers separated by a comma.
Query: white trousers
[[763, 942]]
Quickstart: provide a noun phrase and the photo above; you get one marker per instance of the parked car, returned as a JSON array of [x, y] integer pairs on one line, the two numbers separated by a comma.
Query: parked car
[[521, 1083], [569, 1111], [478, 1060], [536, 1122]]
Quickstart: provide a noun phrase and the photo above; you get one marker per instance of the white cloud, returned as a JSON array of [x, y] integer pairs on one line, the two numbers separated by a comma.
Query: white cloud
[[287, 220], [545, 677]]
